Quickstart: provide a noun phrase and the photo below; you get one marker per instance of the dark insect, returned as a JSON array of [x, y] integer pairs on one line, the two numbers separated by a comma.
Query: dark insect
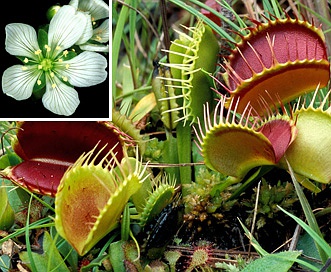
[[162, 229]]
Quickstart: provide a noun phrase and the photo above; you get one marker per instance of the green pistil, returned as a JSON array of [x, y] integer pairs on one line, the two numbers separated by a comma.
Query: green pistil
[[46, 64]]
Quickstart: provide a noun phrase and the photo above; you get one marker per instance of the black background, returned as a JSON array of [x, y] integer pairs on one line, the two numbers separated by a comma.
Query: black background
[[94, 100]]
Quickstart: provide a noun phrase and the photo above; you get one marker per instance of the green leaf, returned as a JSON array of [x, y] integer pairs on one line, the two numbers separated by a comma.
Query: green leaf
[[5, 263], [279, 262], [307, 245], [251, 179], [49, 260], [283, 261], [125, 223], [17, 197], [272, 7], [9, 159], [116, 43], [117, 255], [144, 106], [7, 215]]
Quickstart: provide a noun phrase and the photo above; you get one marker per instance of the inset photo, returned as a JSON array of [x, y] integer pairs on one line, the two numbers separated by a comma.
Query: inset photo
[[55, 60]]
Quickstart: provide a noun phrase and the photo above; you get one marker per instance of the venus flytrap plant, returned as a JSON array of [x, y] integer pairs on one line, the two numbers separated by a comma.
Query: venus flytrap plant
[[91, 198], [191, 58], [127, 131], [234, 145], [49, 69], [49, 148], [276, 62], [153, 195], [293, 62], [160, 194]]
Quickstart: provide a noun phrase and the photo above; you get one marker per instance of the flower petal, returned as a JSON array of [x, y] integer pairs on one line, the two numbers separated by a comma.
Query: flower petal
[[86, 69], [65, 28], [18, 83], [21, 40], [62, 99], [94, 47], [74, 3], [97, 8], [88, 31]]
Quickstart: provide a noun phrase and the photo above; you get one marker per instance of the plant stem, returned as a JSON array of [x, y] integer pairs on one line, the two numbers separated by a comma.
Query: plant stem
[[184, 147]]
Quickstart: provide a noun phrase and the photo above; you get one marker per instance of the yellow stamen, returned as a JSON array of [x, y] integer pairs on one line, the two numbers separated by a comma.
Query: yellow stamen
[[39, 82], [40, 67], [48, 49], [26, 60], [67, 66], [37, 52]]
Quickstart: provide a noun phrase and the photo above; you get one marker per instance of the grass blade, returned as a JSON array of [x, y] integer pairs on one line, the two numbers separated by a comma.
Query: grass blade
[[116, 43], [209, 22], [27, 239], [317, 238]]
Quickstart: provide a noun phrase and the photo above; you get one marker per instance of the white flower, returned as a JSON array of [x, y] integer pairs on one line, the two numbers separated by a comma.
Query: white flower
[[52, 65], [95, 10]]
